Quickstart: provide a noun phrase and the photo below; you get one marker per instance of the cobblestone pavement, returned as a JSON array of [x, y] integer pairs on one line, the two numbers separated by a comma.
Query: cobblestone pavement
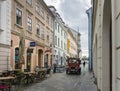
[[63, 82]]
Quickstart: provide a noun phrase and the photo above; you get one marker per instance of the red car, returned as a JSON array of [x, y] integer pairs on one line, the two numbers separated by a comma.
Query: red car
[[73, 66]]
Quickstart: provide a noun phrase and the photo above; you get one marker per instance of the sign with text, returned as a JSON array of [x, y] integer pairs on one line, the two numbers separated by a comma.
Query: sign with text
[[32, 44]]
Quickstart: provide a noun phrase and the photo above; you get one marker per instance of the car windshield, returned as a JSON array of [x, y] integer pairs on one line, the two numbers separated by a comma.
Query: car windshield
[[73, 61]]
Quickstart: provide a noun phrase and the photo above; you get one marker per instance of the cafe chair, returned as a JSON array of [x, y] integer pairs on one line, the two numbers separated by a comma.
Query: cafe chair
[[5, 86]]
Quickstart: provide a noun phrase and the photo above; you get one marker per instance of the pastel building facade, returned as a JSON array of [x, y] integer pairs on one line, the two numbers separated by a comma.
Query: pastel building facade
[[60, 39], [34, 18], [72, 47]]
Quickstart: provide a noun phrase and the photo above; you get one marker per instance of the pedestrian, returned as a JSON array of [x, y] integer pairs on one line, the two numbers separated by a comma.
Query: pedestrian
[[84, 63], [54, 68]]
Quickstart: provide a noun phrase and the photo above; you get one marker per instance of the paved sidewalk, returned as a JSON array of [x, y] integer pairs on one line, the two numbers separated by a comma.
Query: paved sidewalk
[[86, 83]]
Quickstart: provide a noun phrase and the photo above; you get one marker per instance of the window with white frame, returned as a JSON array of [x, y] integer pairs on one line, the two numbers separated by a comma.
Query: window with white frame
[[29, 23], [55, 40], [52, 22], [47, 18], [65, 35], [29, 1], [61, 44], [61, 32], [42, 33], [55, 25], [58, 42], [58, 28], [42, 12], [64, 46], [19, 16], [37, 6], [38, 29]]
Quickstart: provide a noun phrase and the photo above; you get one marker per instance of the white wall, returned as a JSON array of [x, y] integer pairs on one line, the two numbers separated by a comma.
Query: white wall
[[116, 45], [60, 51], [5, 35]]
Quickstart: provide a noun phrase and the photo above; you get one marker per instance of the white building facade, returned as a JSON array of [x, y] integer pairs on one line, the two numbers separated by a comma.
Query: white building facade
[[5, 34], [60, 40], [77, 37], [106, 44]]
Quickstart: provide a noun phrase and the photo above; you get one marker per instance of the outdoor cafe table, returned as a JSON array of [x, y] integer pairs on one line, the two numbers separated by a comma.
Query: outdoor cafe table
[[4, 80], [42, 72], [7, 78]]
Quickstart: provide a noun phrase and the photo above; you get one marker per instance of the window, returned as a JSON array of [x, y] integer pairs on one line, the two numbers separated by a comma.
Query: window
[[55, 40], [16, 57], [64, 46], [42, 33], [52, 22], [37, 7], [65, 35], [42, 12], [61, 32], [47, 18], [29, 1], [48, 37], [58, 42], [55, 25], [58, 28], [29, 23], [11, 43], [38, 29], [61, 44], [19, 17]]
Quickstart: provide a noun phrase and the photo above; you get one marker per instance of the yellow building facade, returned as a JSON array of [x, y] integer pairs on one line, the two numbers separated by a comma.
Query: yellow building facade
[[71, 44]]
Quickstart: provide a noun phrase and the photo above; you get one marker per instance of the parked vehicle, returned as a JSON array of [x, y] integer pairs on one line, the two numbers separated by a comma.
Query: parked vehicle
[[60, 69], [73, 66]]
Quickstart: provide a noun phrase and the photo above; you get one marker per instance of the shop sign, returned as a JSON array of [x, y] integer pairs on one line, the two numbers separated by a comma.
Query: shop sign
[[32, 44], [49, 50]]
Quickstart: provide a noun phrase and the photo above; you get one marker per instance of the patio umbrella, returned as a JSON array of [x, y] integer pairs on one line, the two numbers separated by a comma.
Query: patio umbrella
[[21, 50]]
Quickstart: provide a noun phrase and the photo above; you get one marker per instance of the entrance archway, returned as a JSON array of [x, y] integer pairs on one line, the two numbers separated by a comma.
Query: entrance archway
[[46, 61], [40, 57]]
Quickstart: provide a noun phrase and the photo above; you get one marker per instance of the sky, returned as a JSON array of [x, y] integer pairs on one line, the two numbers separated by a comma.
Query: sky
[[73, 13]]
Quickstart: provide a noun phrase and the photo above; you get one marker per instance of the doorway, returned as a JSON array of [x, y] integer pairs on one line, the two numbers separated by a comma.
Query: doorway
[[40, 57], [46, 61], [28, 61]]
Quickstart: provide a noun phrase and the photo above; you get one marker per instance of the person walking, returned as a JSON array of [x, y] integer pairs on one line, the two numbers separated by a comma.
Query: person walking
[[84, 63], [54, 68]]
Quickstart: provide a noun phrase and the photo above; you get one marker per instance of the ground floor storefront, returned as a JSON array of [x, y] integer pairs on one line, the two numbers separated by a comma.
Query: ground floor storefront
[[34, 54]]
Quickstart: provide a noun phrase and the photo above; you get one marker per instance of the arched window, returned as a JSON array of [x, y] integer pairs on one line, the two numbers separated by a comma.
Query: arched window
[[16, 57]]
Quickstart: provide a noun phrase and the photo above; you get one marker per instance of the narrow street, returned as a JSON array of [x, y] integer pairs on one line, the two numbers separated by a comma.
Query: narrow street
[[63, 82]]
